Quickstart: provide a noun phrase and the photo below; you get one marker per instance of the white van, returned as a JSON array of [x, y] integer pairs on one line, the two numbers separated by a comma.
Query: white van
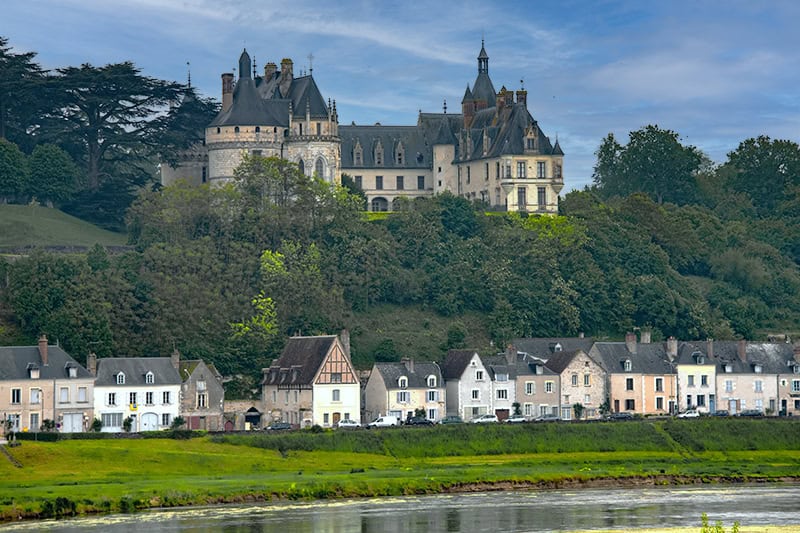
[[384, 422]]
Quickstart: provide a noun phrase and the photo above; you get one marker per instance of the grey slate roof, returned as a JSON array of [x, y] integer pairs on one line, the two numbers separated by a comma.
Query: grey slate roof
[[483, 89], [299, 361], [545, 347], [417, 149], [527, 364], [559, 361], [648, 359], [135, 370], [773, 357], [15, 361], [391, 372], [455, 362], [498, 364]]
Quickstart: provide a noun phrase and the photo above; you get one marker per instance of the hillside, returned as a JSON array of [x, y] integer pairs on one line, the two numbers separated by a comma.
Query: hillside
[[32, 225]]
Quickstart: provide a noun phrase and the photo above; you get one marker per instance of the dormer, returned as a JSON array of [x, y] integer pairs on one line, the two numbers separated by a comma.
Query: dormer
[[699, 358], [149, 378], [431, 380], [399, 154], [120, 378], [358, 154], [501, 376], [728, 368], [72, 370], [556, 347], [532, 138], [758, 368], [33, 371], [379, 154], [402, 382], [627, 365]]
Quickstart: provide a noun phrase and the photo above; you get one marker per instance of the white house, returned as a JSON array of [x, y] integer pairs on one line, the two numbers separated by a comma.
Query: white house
[[146, 389], [468, 385]]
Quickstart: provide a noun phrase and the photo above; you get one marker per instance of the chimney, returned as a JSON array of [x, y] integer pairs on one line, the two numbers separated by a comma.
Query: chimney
[[672, 348], [630, 342], [796, 351], [741, 348], [511, 354], [580, 335], [500, 101], [710, 348], [409, 364], [269, 70], [645, 336], [175, 358], [344, 336], [43, 348], [522, 97], [287, 68], [509, 96], [91, 363], [227, 91]]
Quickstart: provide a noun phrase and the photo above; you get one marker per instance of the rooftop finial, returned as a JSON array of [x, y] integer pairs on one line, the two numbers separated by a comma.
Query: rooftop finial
[[189, 74], [254, 67], [522, 84], [444, 105], [311, 63]]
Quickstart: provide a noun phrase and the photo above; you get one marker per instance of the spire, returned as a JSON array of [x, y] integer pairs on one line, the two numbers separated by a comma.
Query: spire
[[467, 95], [483, 60], [244, 65], [557, 148]]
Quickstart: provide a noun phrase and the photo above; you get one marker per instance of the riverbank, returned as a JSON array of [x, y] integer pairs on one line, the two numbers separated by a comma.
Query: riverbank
[[74, 477]]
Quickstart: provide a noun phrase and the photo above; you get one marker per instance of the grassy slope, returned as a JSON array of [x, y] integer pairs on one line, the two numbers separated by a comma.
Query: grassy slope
[[121, 474], [23, 225]]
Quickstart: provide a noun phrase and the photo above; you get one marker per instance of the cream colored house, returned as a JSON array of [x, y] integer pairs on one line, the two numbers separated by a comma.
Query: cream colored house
[[43, 382], [697, 378], [313, 382], [400, 389]]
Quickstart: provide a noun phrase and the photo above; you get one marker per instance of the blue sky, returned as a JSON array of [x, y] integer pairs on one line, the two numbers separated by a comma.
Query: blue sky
[[715, 72]]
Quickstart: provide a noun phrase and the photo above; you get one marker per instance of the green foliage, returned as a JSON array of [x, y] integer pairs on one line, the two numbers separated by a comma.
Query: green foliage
[[578, 409], [177, 423], [53, 175], [14, 171], [717, 527], [97, 425], [127, 424]]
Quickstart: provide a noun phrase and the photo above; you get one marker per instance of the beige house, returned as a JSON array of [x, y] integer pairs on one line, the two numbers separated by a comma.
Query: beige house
[[536, 387], [43, 382], [313, 382], [400, 389]]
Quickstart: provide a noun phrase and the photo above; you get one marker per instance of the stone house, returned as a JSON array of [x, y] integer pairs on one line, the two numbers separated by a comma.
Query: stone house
[[583, 381], [399, 389], [313, 382], [43, 382], [468, 384], [748, 373], [146, 389], [202, 395]]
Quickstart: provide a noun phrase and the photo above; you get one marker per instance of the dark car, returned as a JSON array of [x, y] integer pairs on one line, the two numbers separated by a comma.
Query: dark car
[[547, 418], [451, 419], [751, 412], [721, 412], [624, 415], [279, 426], [418, 421]]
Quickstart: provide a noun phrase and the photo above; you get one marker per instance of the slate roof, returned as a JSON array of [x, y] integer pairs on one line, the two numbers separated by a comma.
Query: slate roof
[[135, 370], [774, 357], [391, 372], [483, 89], [188, 366], [545, 347], [15, 361], [498, 364], [527, 363], [560, 360], [416, 148], [299, 361], [648, 359], [455, 362]]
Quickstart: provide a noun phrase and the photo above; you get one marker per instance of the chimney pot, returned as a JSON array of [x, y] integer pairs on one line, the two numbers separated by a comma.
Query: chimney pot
[[710, 348], [175, 358], [344, 337], [645, 337]]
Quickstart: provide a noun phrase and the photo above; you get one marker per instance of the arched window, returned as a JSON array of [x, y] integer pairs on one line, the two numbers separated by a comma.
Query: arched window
[[120, 379], [258, 129], [302, 166], [402, 382], [399, 155], [319, 168], [628, 365], [358, 155], [149, 378], [431, 382], [379, 154], [219, 130], [236, 129], [380, 204]]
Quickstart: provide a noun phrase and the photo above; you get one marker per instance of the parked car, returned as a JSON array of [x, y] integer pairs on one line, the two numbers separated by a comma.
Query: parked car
[[751, 412], [623, 415], [451, 419], [418, 421], [547, 418], [348, 424], [279, 426], [486, 419], [515, 419], [384, 422], [721, 412], [690, 413]]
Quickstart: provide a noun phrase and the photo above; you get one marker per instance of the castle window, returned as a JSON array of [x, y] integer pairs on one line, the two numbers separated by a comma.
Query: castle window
[[469, 174], [400, 154], [486, 171], [542, 193], [379, 154], [219, 130], [497, 170], [358, 156], [421, 182], [380, 204], [522, 200], [379, 182], [236, 129], [319, 168], [400, 184], [521, 169], [358, 182], [319, 128], [541, 169], [205, 174], [302, 166]]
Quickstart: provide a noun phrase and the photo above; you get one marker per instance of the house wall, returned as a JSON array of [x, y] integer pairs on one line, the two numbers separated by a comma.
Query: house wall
[[75, 412], [736, 392], [691, 391], [469, 407], [644, 395], [789, 393], [208, 417], [327, 411], [376, 401], [591, 395], [501, 406], [142, 408], [540, 402], [292, 405]]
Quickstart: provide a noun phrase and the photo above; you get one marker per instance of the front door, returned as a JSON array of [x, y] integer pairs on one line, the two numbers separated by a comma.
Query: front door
[[732, 407], [336, 418], [72, 423], [149, 422]]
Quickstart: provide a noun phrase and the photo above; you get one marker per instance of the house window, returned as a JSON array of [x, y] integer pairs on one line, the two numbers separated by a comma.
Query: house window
[[83, 397], [132, 398], [587, 399], [688, 400], [432, 414], [296, 396], [63, 395], [691, 381], [502, 394], [479, 375], [34, 422], [201, 400], [112, 420], [548, 386], [433, 396], [757, 369], [527, 409], [704, 380], [728, 385], [148, 398], [287, 398], [149, 378], [659, 384], [630, 405], [403, 396], [587, 380], [431, 381], [36, 396], [111, 399], [421, 183], [402, 382], [701, 400], [165, 421], [358, 182], [501, 377], [325, 419], [16, 395], [120, 379], [400, 184], [521, 169], [796, 385], [759, 385], [256, 152], [541, 169], [574, 380], [476, 394], [336, 377], [530, 388], [379, 182], [659, 403], [629, 384], [336, 395], [201, 385], [165, 399]]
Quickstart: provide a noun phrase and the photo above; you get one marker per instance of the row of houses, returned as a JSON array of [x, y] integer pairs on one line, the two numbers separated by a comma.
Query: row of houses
[[44, 383], [314, 381]]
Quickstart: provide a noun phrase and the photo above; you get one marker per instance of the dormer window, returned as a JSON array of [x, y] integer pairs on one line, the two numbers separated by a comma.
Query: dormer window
[[149, 378], [379, 154], [358, 155], [120, 379], [557, 347], [431, 382], [796, 369], [402, 382], [757, 369], [72, 371], [627, 365], [728, 368], [33, 371], [400, 154], [701, 360], [501, 377]]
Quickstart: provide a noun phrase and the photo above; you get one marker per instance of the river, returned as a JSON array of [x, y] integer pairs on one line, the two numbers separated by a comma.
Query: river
[[512, 511]]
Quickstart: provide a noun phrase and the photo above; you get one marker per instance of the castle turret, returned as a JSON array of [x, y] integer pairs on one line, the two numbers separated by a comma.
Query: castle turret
[[468, 107], [522, 97]]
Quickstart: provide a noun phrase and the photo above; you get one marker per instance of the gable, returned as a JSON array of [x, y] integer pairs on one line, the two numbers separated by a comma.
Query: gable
[[336, 368]]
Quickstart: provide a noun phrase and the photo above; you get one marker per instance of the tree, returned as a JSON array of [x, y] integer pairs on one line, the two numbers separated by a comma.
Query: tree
[[184, 125], [53, 174], [13, 171], [579, 409], [177, 422], [127, 424], [22, 98], [97, 425]]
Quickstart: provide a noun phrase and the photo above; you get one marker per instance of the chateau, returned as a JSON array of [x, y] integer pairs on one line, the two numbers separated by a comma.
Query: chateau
[[493, 151]]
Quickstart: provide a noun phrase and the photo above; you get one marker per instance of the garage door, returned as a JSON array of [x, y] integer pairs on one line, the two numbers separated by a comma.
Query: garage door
[[72, 423], [149, 422]]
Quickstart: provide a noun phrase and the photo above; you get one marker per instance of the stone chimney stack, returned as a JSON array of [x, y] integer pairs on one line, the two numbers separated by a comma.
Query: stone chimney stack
[[672, 348], [630, 342], [796, 351], [645, 337], [43, 348], [522, 97], [409, 362], [741, 348], [511, 354], [269, 70], [287, 68], [91, 364], [344, 337], [710, 348], [227, 91], [175, 358]]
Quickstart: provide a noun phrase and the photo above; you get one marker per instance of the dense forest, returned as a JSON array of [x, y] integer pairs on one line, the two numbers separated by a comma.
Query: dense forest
[[665, 240]]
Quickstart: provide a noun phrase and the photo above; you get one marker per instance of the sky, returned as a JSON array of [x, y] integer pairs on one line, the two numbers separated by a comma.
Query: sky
[[715, 72]]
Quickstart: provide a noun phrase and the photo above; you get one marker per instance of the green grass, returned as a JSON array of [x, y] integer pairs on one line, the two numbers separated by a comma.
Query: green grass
[[23, 225], [87, 476]]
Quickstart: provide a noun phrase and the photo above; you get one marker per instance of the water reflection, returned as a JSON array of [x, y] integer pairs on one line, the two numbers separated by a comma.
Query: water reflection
[[518, 511]]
